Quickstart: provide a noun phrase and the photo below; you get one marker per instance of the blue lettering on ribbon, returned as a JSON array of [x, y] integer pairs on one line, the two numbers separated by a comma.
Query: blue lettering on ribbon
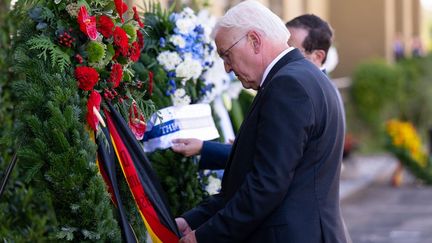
[[162, 130]]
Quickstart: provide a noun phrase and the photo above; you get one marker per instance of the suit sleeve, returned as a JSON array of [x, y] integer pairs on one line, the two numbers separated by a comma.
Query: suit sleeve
[[285, 116], [200, 214], [214, 155]]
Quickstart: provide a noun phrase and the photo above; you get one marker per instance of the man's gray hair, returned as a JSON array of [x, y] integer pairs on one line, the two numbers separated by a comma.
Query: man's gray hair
[[252, 15]]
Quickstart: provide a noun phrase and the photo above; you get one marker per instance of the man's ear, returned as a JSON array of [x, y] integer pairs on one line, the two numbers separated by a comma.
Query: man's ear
[[319, 56], [256, 40]]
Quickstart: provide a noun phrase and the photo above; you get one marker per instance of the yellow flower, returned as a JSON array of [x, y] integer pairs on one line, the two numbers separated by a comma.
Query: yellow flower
[[404, 136]]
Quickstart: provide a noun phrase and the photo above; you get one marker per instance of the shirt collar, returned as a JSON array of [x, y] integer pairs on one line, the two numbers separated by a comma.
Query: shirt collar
[[270, 66]]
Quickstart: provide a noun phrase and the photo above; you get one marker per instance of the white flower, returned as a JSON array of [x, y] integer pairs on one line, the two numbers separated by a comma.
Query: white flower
[[169, 60], [178, 40], [214, 185], [188, 12], [185, 26], [180, 93], [189, 69], [180, 98]]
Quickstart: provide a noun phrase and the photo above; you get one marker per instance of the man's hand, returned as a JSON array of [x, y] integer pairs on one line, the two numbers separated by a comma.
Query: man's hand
[[187, 146], [183, 226], [189, 238]]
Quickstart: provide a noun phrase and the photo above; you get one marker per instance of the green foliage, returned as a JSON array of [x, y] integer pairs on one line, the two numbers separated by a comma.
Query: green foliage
[[417, 89], [240, 108], [236, 114], [56, 157], [376, 92], [179, 179], [57, 154], [7, 26], [381, 91], [57, 56], [24, 215]]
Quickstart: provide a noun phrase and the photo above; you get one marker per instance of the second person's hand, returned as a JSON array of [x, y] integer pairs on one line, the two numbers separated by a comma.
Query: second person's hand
[[187, 146]]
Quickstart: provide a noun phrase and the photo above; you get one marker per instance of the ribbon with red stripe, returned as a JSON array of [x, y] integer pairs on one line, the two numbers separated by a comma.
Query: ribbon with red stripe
[[126, 156]]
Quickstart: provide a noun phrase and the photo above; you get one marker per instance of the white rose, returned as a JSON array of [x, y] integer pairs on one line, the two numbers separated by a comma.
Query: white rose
[[180, 98], [178, 40], [188, 12], [189, 69], [169, 60], [185, 26], [214, 185]]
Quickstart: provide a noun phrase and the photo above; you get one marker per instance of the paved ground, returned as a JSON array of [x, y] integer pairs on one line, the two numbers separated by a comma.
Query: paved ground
[[382, 213], [360, 171], [376, 212]]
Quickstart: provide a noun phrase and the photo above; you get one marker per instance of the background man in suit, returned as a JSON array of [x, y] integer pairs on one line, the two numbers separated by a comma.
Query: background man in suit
[[313, 37], [281, 182]]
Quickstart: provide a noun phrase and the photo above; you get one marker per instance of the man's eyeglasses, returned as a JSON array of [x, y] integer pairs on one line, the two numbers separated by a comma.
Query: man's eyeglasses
[[225, 55]]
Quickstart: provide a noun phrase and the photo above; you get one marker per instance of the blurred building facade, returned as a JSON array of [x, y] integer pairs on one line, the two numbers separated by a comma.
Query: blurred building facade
[[363, 29]]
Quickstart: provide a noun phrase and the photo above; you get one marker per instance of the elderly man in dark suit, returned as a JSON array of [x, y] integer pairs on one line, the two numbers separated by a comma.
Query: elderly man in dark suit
[[281, 181], [313, 37]]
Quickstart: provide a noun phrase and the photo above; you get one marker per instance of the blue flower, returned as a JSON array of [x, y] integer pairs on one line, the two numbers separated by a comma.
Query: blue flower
[[174, 17], [162, 42], [181, 51], [172, 83], [171, 74], [198, 51], [170, 91], [199, 29], [207, 88]]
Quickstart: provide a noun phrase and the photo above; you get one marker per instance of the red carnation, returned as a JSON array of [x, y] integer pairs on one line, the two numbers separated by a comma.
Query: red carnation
[[134, 52], [87, 77], [121, 8], [116, 74], [105, 26], [137, 18], [121, 40], [87, 23], [140, 38], [150, 83], [94, 100], [136, 122]]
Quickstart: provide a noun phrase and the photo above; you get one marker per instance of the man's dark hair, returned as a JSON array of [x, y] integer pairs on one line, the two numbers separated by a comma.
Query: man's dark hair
[[319, 31]]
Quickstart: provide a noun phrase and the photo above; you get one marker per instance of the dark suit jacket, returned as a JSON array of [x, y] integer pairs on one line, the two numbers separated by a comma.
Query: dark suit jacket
[[281, 182], [214, 155]]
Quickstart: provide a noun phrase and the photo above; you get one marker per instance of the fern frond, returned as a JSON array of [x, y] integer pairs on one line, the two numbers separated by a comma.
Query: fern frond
[[44, 43], [41, 42], [60, 58]]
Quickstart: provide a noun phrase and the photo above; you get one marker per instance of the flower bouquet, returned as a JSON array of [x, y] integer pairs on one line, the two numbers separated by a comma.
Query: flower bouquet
[[405, 143], [178, 53]]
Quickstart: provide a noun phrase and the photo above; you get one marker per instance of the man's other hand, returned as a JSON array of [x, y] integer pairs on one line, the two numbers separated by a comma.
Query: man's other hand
[[183, 226]]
